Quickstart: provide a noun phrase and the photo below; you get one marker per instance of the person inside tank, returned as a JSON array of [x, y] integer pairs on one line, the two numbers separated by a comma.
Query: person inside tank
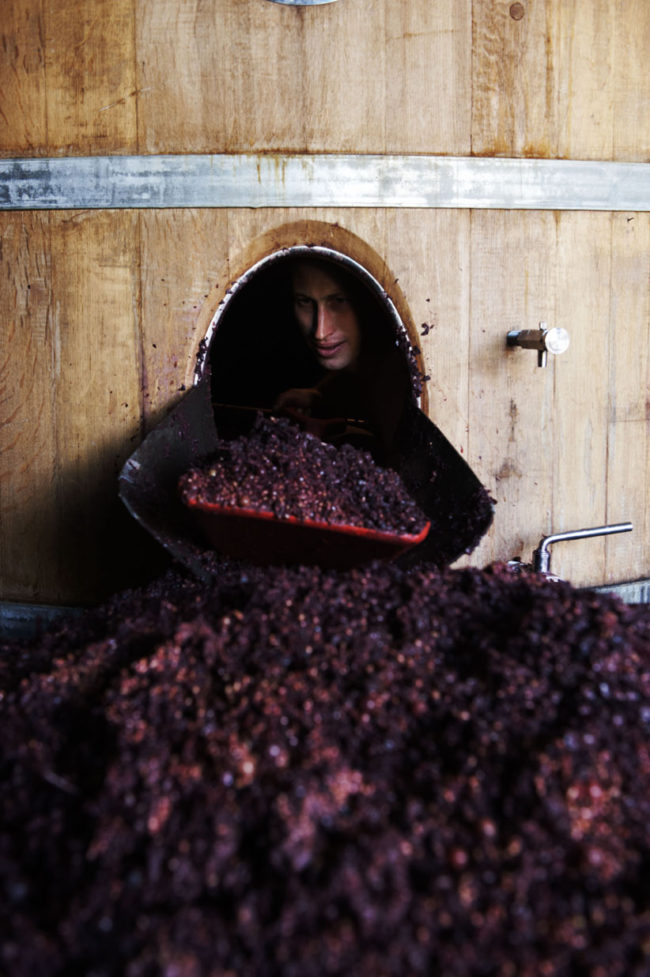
[[363, 374], [308, 336]]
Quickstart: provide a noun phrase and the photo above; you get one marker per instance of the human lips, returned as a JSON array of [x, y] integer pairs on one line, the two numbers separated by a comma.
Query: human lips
[[327, 350]]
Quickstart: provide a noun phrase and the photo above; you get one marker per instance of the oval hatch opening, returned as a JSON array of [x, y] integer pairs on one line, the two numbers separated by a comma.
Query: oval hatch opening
[[255, 350]]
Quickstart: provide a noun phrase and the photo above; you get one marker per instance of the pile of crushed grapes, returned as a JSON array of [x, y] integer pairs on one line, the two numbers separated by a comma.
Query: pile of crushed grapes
[[295, 772], [301, 772]]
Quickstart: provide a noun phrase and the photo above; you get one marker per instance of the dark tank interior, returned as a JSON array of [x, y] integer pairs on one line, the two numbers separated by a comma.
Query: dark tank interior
[[258, 352]]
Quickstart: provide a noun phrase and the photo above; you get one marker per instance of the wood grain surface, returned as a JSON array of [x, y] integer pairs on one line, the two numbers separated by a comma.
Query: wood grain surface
[[103, 312]]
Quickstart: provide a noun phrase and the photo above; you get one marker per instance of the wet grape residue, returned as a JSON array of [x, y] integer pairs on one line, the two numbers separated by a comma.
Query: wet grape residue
[[281, 469], [297, 772]]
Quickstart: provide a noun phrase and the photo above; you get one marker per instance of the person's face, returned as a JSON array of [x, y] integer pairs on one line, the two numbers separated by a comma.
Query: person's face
[[326, 317]]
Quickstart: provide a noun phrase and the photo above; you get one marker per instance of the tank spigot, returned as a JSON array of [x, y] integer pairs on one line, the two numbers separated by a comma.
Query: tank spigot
[[555, 340]]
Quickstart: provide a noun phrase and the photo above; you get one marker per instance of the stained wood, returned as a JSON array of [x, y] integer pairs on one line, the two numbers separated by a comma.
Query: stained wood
[[91, 94], [97, 394], [120, 76], [30, 357], [510, 410], [564, 80], [72, 383], [431, 262], [428, 75], [23, 124], [628, 394], [516, 101], [182, 262], [268, 77], [579, 450], [631, 92], [104, 312]]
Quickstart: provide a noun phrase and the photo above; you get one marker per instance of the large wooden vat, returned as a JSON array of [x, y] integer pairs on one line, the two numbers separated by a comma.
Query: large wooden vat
[[103, 310]]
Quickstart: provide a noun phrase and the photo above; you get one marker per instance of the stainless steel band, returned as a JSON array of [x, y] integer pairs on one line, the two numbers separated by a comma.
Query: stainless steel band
[[321, 180]]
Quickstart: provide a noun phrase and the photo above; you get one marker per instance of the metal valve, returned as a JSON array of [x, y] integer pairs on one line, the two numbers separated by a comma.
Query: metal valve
[[555, 340]]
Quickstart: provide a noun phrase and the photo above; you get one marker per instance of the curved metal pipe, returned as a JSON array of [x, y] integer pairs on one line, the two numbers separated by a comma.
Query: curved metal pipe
[[542, 555]]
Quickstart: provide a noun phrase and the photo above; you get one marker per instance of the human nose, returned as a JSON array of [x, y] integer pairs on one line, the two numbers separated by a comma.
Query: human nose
[[323, 325]]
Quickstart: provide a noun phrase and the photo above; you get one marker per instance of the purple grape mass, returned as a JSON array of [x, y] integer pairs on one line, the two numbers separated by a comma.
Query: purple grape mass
[[299, 772], [279, 468]]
